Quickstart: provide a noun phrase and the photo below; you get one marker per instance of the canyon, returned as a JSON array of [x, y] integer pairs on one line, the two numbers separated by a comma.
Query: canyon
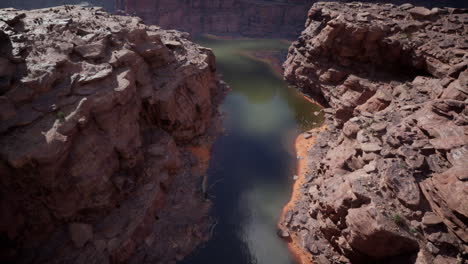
[[105, 130], [111, 148], [386, 180]]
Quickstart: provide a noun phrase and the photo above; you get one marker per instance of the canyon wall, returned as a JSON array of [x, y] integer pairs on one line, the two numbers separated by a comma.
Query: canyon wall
[[224, 17], [251, 18], [34, 4], [386, 182], [105, 131]]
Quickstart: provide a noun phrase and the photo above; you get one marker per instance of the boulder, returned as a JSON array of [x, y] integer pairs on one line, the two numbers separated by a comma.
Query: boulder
[[372, 234]]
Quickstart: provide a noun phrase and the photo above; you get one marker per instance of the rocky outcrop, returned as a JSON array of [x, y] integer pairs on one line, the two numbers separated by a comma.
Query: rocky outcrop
[[387, 180], [99, 119]]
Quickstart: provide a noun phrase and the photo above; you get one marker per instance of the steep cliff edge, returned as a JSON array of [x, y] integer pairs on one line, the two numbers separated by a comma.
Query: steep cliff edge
[[387, 180], [102, 122]]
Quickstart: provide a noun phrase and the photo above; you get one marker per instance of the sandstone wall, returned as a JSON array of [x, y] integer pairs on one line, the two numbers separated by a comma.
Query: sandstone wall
[[252, 18], [387, 181], [224, 17], [98, 117], [34, 4]]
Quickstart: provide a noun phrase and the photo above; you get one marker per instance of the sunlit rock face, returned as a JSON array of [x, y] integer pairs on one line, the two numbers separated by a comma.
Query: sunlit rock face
[[98, 118], [386, 181]]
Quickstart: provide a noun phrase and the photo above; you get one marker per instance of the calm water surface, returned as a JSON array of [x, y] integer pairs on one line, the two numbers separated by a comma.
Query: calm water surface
[[252, 164]]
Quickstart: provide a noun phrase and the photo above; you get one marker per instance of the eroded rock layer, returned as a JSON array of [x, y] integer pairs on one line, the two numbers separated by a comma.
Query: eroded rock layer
[[225, 17], [35, 4], [102, 120], [252, 18], [387, 181]]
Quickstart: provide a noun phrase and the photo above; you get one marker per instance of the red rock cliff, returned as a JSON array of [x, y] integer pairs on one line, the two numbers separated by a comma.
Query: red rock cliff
[[387, 181], [252, 18], [98, 114], [224, 17]]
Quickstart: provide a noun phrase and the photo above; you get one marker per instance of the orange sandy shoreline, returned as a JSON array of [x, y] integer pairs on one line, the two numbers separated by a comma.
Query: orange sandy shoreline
[[313, 101], [302, 146]]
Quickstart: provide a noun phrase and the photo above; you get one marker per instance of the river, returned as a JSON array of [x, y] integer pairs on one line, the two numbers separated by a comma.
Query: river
[[253, 161]]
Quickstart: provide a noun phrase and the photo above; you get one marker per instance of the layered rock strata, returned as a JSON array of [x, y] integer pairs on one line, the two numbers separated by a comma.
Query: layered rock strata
[[251, 18], [101, 123], [387, 181], [256, 18]]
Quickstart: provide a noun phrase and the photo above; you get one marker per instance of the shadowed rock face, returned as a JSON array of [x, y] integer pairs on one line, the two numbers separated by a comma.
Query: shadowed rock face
[[388, 179], [33, 4], [253, 18], [225, 17], [98, 115]]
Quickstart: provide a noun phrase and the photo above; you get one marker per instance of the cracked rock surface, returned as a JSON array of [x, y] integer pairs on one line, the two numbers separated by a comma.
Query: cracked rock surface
[[387, 180], [98, 114]]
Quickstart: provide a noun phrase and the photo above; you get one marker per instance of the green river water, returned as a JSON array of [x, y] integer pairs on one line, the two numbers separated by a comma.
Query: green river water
[[253, 162]]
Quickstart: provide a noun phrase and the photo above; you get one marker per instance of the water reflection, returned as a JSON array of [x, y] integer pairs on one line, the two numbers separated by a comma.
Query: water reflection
[[252, 164]]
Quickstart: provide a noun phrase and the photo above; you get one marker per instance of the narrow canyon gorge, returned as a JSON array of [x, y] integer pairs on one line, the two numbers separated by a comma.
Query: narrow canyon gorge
[[197, 132]]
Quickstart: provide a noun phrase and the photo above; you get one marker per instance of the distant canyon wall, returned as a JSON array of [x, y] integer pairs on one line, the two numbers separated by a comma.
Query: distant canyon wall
[[228, 17], [249, 18]]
